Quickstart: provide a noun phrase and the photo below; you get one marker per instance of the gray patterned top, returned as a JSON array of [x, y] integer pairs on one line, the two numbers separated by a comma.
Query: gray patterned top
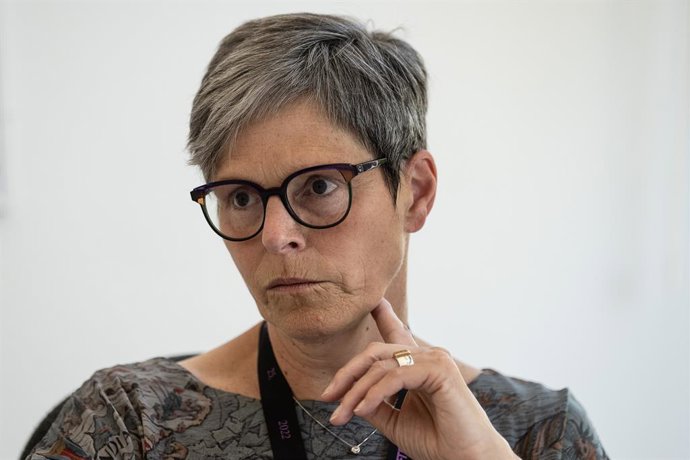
[[156, 409]]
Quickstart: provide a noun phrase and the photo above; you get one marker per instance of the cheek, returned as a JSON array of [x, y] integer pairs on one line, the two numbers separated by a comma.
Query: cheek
[[383, 260], [374, 256], [245, 260]]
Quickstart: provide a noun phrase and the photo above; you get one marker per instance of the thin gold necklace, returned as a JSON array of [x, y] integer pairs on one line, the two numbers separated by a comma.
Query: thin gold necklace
[[354, 448]]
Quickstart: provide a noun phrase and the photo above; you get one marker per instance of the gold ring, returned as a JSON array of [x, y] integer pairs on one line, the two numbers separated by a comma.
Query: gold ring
[[403, 357]]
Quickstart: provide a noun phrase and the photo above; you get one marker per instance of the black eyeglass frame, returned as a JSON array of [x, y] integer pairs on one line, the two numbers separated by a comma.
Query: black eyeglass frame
[[199, 193]]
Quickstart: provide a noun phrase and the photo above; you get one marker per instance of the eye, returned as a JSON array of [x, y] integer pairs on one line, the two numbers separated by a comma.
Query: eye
[[241, 199], [322, 186]]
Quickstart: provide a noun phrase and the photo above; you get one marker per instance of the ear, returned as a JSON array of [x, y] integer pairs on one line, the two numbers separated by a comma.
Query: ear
[[420, 179]]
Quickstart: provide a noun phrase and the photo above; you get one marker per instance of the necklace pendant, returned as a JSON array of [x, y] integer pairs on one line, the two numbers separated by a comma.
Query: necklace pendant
[[355, 450]]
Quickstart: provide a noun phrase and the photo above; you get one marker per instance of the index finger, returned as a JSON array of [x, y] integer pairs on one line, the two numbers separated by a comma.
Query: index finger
[[392, 329]]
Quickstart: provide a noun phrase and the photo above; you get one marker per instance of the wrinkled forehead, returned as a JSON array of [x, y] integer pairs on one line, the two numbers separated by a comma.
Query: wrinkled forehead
[[297, 136]]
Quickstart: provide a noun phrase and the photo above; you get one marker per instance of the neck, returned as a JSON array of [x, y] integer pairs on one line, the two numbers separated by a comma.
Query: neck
[[309, 366]]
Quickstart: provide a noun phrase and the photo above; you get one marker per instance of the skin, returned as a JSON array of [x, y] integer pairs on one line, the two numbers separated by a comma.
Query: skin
[[334, 336]]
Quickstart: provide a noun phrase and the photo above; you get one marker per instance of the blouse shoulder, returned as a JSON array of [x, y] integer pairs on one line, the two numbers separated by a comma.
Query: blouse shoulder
[[104, 416], [133, 378], [538, 422]]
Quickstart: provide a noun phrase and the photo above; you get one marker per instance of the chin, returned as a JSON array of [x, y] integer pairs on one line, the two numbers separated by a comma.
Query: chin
[[309, 319]]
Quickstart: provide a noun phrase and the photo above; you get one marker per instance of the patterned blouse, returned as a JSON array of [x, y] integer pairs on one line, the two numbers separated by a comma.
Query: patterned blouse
[[156, 409]]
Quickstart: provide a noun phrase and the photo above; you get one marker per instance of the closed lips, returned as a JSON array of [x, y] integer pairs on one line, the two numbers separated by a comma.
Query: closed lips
[[289, 282]]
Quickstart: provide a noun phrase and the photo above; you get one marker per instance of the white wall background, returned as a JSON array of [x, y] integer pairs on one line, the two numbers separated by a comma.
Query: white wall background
[[557, 251]]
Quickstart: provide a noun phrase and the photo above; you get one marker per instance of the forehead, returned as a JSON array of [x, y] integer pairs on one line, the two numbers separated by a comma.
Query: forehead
[[298, 136]]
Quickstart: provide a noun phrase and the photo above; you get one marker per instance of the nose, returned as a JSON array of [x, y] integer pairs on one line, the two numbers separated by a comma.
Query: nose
[[281, 233]]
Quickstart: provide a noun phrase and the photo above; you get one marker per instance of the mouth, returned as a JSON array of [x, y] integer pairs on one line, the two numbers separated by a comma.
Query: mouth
[[292, 284]]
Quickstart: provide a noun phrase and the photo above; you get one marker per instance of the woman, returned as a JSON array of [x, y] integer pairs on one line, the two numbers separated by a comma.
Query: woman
[[310, 132]]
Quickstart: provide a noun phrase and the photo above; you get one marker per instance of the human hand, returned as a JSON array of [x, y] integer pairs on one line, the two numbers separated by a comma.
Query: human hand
[[440, 417]]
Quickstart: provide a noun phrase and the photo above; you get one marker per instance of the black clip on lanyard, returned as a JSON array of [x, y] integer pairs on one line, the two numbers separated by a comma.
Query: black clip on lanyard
[[279, 407]]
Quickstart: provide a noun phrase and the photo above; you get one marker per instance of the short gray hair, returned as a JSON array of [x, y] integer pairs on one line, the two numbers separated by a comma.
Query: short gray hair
[[367, 82]]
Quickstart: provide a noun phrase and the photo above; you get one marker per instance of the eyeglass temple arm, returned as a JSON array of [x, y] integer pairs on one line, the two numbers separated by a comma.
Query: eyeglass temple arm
[[367, 165]]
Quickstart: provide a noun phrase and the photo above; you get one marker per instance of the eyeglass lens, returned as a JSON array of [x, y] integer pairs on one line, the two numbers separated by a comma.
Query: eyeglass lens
[[318, 199]]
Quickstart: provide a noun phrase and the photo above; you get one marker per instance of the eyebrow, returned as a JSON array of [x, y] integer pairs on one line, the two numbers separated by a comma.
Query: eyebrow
[[282, 178]]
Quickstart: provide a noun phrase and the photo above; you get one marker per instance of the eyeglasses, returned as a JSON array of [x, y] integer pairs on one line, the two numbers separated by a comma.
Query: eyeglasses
[[316, 197]]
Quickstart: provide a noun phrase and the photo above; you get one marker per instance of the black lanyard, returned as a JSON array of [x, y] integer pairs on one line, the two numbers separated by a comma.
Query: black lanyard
[[279, 407]]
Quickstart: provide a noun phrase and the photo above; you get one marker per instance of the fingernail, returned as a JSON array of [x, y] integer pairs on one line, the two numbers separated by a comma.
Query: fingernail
[[358, 408], [328, 389], [335, 414]]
